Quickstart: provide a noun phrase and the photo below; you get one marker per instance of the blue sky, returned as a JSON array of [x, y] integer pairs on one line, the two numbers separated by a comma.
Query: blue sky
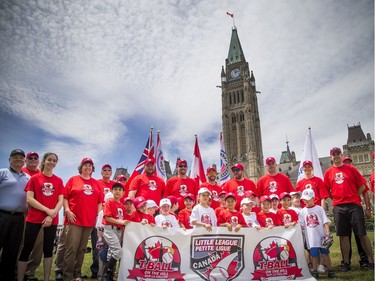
[[89, 78]]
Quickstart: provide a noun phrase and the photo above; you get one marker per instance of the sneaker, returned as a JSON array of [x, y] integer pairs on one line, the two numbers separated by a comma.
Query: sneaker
[[370, 266], [59, 276], [331, 274], [345, 267], [315, 274], [321, 268]]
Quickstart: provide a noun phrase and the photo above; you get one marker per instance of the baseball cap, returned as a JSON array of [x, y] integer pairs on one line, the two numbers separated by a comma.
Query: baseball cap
[[189, 195], [117, 184], [307, 194], [264, 198], [204, 190], [237, 166], [31, 153], [151, 204], [249, 193], [274, 196], [120, 177], [17, 151], [284, 194], [150, 161], [295, 193], [108, 196], [307, 162], [87, 160], [165, 201], [209, 169], [139, 202], [333, 150], [128, 199], [106, 166], [247, 201], [222, 193], [181, 161], [230, 194], [347, 158], [270, 159], [173, 199]]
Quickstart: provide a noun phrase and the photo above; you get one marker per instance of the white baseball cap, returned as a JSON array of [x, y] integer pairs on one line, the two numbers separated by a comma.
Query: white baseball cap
[[247, 201], [165, 201], [295, 193], [204, 190], [151, 203], [273, 196], [108, 196], [307, 194]]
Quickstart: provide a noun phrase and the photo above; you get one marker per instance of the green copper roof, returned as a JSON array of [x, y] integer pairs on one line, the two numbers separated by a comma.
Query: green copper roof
[[235, 53]]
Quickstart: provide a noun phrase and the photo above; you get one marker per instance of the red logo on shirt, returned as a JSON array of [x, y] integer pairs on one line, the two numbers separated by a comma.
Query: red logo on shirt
[[339, 178], [87, 189], [215, 196], [152, 185], [312, 220], [206, 219], [183, 189], [166, 223], [240, 190], [273, 186], [308, 186], [269, 222], [48, 189], [287, 218], [234, 221], [120, 214]]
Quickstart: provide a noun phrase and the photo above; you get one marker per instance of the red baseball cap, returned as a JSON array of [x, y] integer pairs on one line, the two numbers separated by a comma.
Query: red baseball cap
[[264, 198], [87, 160], [31, 153], [128, 199], [284, 194], [347, 158], [237, 166], [117, 184], [106, 166], [249, 193], [139, 202], [181, 161], [173, 199], [209, 169], [270, 159], [150, 161], [333, 150], [120, 177], [230, 194], [307, 162], [189, 195]]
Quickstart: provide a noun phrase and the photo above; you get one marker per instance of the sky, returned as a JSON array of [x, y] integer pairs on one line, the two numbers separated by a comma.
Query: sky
[[89, 78]]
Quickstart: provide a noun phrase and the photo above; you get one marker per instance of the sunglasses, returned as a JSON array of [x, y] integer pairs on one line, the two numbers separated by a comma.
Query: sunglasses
[[182, 166], [236, 170], [33, 158], [106, 170]]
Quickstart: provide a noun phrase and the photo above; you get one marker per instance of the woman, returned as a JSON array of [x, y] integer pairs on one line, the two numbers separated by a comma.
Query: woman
[[83, 199], [44, 197]]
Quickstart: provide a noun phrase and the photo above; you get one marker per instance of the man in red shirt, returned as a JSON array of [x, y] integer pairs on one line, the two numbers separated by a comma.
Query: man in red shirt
[[106, 182], [346, 185], [147, 185], [213, 187], [273, 182], [181, 184], [239, 184], [32, 162]]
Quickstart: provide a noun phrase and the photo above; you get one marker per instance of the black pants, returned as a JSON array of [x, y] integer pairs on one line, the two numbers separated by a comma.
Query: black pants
[[95, 252], [11, 231]]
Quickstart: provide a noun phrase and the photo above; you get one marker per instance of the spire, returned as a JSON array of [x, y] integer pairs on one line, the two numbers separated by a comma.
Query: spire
[[223, 75], [252, 79], [235, 53]]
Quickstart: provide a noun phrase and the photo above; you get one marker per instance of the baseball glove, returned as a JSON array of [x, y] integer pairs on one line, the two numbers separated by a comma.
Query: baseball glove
[[327, 241]]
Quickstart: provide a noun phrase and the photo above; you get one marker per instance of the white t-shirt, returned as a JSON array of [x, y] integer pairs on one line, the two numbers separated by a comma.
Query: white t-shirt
[[203, 214], [166, 220], [312, 221], [251, 220]]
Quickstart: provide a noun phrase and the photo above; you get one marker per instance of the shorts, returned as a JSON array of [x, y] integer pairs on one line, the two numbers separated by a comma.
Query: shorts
[[315, 251], [348, 216]]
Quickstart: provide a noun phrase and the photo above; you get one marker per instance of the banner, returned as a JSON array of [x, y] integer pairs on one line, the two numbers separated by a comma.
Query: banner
[[154, 253]]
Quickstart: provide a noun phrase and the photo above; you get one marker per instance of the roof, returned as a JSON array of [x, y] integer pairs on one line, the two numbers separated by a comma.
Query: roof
[[355, 135], [235, 53]]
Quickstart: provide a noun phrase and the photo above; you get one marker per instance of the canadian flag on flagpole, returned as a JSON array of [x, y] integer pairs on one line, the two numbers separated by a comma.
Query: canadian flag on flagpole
[[230, 14], [160, 166], [197, 171], [224, 171], [309, 153]]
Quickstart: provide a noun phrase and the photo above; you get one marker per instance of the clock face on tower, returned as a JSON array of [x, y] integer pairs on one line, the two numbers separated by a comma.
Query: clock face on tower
[[235, 73]]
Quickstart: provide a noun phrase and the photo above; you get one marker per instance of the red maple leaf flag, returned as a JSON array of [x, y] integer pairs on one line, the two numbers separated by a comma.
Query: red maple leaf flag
[[197, 171], [230, 14]]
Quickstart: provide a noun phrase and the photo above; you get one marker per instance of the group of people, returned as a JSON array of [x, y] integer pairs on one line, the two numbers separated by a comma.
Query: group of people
[[31, 197]]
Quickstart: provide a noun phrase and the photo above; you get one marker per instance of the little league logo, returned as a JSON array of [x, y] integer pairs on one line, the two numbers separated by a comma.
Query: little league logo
[[272, 186], [152, 185], [275, 259], [217, 257], [339, 178], [87, 189], [156, 257], [48, 189], [312, 220]]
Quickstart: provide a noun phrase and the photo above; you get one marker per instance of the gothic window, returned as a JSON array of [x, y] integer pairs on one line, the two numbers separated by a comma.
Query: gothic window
[[233, 119], [242, 97], [355, 159], [238, 97], [230, 98], [360, 158], [234, 98], [366, 157]]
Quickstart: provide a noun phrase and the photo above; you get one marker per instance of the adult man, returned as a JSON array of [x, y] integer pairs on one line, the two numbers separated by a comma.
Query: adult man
[[181, 184], [147, 185], [32, 162], [12, 208], [213, 187], [273, 182], [239, 184], [346, 185]]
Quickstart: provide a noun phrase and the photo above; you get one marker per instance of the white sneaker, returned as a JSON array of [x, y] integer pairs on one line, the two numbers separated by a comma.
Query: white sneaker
[[321, 268]]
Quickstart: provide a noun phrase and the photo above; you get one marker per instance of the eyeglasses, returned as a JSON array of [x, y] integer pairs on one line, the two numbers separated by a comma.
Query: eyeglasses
[[33, 158], [236, 170], [182, 166], [212, 173], [106, 170]]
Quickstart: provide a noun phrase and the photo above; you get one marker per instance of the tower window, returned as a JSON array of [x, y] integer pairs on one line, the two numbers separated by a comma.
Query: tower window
[[242, 97], [230, 98]]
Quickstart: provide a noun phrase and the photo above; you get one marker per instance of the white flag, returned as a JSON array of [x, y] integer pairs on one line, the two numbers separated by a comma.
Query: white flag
[[309, 153], [160, 165], [224, 171]]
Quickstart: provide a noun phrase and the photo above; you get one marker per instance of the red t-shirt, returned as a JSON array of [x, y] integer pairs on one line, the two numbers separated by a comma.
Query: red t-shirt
[[29, 172], [287, 216], [233, 217], [46, 191], [317, 185], [150, 187], [343, 182], [83, 197], [277, 184], [138, 216], [113, 209], [179, 188], [239, 188], [106, 186], [372, 181], [215, 190], [267, 219], [184, 218]]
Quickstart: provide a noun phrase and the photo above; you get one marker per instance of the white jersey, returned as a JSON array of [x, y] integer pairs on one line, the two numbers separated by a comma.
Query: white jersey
[[312, 221], [251, 220], [166, 220], [203, 214]]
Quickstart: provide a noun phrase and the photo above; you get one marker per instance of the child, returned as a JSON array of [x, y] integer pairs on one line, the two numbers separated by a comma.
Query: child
[[231, 218], [296, 201], [184, 214], [315, 225], [202, 215], [152, 207], [287, 216], [175, 205], [275, 202], [140, 215], [249, 216], [253, 198], [222, 206], [114, 225], [266, 218], [165, 219]]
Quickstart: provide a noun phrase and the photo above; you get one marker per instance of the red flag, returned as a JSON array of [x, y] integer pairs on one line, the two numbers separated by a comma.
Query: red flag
[[197, 171], [229, 14]]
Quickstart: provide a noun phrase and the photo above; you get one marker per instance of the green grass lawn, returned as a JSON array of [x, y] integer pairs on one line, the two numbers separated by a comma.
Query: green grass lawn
[[355, 274]]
